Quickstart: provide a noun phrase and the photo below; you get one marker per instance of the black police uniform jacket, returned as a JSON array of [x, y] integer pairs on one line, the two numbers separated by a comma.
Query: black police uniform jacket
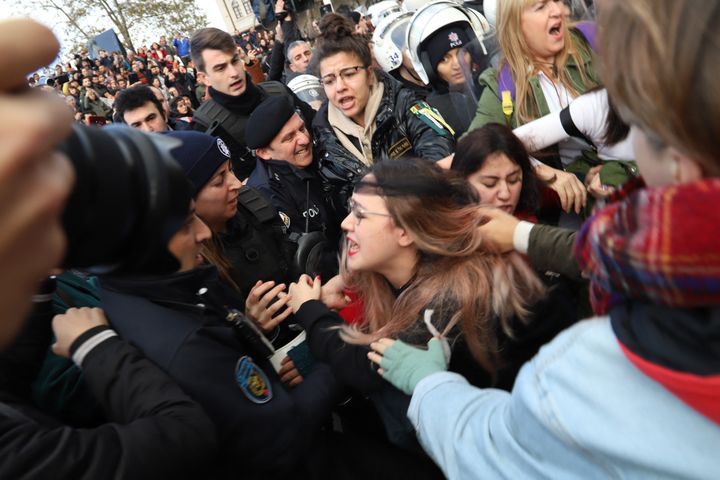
[[256, 243], [297, 195], [265, 429], [399, 133]]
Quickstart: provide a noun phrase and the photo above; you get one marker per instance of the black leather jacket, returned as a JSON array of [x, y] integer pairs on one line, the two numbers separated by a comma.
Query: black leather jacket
[[399, 133]]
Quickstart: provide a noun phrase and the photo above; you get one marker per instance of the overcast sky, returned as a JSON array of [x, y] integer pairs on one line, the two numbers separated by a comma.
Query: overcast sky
[[8, 8]]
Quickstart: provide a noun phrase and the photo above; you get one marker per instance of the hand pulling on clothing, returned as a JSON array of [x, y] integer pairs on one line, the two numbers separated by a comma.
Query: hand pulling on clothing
[[403, 365]]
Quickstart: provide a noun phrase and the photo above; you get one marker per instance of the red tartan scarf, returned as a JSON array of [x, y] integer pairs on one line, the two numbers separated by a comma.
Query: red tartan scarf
[[661, 245], [653, 260]]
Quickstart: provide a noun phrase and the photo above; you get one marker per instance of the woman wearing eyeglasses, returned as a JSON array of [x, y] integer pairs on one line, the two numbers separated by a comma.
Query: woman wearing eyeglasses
[[369, 116], [633, 394], [415, 258]]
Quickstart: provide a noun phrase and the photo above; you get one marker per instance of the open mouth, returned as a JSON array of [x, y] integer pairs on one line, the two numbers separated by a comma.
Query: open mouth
[[556, 30], [302, 150], [237, 85], [352, 248], [346, 103]]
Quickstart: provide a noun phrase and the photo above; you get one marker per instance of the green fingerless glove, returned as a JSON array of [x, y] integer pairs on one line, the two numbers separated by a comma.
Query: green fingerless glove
[[404, 366]]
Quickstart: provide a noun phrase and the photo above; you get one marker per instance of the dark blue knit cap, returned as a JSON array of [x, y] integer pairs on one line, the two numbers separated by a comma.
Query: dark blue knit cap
[[444, 40], [200, 156]]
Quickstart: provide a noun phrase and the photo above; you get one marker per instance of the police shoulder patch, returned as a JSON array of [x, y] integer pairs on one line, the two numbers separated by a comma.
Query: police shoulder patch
[[252, 381], [222, 147]]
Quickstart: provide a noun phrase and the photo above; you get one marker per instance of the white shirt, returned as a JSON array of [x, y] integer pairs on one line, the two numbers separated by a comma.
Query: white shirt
[[589, 113], [558, 97]]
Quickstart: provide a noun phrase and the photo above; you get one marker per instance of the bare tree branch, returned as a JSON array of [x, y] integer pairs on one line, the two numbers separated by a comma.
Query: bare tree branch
[[127, 17]]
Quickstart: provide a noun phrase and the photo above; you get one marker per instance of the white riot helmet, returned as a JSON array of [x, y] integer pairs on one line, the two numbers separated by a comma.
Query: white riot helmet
[[490, 10], [388, 40], [436, 16], [415, 5], [308, 89], [412, 5], [361, 10], [378, 11]]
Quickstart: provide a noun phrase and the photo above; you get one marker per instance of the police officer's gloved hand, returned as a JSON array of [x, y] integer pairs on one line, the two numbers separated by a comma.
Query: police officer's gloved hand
[[404, 366]]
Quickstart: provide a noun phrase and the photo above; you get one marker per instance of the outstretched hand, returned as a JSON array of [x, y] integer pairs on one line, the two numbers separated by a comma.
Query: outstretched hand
[[304, 290], [332, 294], [289, 374], [263, 304], [499, 229], [572, 193], [403, 365], [73, 323], [595, 186]]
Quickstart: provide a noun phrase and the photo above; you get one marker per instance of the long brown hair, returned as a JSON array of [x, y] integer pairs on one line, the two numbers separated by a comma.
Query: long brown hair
[[517, 55], [462, 280], [661, 61], [477, 146], [212, 252]]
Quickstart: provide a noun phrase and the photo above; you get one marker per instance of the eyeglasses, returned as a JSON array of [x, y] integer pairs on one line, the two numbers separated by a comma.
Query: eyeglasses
[[359, 213], [346, 74]]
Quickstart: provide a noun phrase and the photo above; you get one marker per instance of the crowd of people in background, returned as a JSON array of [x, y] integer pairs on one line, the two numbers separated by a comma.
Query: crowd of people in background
[[90, 85], [384, 237]]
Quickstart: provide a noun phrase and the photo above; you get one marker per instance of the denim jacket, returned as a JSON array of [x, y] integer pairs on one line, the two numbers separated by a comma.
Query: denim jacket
[[579, 409]]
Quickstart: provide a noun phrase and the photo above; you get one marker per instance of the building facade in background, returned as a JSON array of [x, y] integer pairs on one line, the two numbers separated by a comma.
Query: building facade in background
[[229, 15]]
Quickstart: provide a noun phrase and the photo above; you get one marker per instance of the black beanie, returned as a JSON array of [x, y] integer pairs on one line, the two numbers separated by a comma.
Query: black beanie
[[442, 41], [200, 156], [267, 120], [355, 17]]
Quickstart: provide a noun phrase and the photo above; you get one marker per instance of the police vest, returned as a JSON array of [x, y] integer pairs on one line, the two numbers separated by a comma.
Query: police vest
[[256, 245]]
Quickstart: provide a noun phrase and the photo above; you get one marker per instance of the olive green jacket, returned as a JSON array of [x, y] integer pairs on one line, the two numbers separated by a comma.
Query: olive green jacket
[[551, 248]]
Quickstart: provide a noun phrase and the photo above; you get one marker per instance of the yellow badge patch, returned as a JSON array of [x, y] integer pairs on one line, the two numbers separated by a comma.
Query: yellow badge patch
[[400, 148]]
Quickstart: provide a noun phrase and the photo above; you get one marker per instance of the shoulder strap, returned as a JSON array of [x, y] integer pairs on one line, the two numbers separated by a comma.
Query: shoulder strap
[[506, 89], [273, 88], [258, 205], [213, 115], [570, 128]]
